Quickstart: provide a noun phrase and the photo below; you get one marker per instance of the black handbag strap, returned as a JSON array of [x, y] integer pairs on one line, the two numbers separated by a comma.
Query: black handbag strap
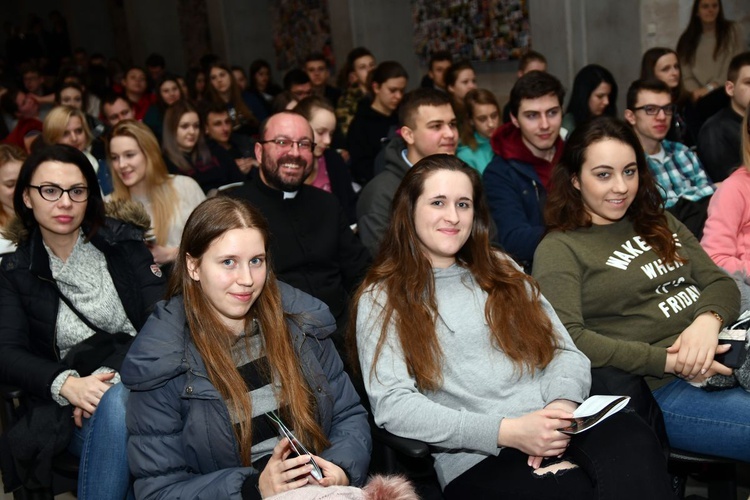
[[78, 313]]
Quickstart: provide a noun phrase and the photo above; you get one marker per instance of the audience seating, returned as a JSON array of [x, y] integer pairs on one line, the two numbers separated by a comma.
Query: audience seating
[[717, 472], [64, 466]]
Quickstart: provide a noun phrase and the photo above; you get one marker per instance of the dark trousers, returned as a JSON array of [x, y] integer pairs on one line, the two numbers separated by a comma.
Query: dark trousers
[[618, 459], [612, 381], [692, 213]]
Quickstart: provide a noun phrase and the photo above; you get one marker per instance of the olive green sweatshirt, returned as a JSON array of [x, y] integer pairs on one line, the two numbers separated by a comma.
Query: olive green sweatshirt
[[621, 304]]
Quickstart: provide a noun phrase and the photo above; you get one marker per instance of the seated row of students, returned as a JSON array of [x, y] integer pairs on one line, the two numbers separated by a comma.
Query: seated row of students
[[439, 222], [517, 191], [79, 288], [221, 341]]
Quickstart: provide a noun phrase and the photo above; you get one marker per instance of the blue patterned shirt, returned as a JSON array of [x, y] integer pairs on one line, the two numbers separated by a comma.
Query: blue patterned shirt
[[680, 174]]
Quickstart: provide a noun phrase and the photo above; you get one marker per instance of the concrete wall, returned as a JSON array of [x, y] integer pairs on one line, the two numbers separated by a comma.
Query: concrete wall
[[154, 27], [385, 27], [241, 31], [574, 33]]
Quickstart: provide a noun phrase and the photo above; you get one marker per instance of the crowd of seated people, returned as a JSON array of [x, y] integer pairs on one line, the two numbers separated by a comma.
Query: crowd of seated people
[[259, 245]]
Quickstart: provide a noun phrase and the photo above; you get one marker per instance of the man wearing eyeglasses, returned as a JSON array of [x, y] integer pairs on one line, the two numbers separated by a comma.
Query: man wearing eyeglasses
[[685, 187], [312, 246]]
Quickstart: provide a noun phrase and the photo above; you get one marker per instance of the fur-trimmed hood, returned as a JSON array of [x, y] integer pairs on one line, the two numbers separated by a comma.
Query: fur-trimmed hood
[[127, 211]]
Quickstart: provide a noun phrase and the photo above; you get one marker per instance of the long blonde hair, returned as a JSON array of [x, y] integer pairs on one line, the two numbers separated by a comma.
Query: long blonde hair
[[160, 191], [9, 153], [209, 221], [57, 119]]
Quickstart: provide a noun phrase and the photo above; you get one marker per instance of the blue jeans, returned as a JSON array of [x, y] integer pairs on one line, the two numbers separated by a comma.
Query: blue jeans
[[714, 423], [102, 445]]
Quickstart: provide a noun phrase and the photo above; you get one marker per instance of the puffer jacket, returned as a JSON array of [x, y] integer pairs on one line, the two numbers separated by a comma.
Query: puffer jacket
[[182, 444], [29, 357]]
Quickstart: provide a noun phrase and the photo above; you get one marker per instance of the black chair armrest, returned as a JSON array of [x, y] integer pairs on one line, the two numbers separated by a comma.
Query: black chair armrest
[[409, 447], [9, 392], [10, 397]]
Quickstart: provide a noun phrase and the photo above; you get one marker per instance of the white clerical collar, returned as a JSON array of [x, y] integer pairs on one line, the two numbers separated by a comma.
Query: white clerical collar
[[289, 195]]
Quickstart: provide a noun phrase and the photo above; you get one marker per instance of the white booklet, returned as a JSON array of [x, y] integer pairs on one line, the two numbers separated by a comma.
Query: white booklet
[[594, 410]]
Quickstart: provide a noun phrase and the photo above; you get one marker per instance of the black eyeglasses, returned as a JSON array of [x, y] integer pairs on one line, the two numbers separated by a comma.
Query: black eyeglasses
[[653, 109], [303, 144], [50, 192]]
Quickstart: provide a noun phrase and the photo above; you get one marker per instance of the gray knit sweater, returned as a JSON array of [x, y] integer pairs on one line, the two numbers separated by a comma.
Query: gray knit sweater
[[480, 387]]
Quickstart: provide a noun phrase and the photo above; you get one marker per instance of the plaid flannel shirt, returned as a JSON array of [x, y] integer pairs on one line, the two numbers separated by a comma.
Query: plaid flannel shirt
[[681, 175]]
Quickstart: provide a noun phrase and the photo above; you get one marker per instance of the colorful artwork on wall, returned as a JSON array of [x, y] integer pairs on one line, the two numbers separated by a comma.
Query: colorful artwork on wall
[[300, 27], [478, 30]]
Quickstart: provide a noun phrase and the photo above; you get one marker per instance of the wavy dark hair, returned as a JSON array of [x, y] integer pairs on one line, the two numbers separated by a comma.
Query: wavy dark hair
[[209, 221], [689, 39], [565, 210], [513, 310], [586, 81], [93, 218]]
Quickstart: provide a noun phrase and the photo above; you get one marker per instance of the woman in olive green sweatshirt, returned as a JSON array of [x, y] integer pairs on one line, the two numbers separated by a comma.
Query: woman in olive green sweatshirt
[[636, 291]]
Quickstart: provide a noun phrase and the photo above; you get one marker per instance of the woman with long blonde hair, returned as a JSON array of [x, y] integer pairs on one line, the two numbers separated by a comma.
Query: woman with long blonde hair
[[11, 158], [229, 347], [68, 125], [139, 173]]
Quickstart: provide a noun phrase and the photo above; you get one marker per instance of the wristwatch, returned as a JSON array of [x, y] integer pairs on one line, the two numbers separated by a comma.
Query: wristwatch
[[717, 316]]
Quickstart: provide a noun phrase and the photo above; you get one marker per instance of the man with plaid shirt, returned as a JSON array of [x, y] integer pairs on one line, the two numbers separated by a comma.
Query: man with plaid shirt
[[685, 187]]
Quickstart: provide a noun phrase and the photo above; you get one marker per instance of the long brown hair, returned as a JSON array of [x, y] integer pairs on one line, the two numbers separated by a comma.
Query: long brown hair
[[163, 196], [520, 328], [235, 95], [565, 210], [688, 42], [208, 222], [200, 152], [648, 72], [472, 98]]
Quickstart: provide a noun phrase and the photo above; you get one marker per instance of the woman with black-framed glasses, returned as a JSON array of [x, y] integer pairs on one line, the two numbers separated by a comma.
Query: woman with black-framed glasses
[[72, 297]]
